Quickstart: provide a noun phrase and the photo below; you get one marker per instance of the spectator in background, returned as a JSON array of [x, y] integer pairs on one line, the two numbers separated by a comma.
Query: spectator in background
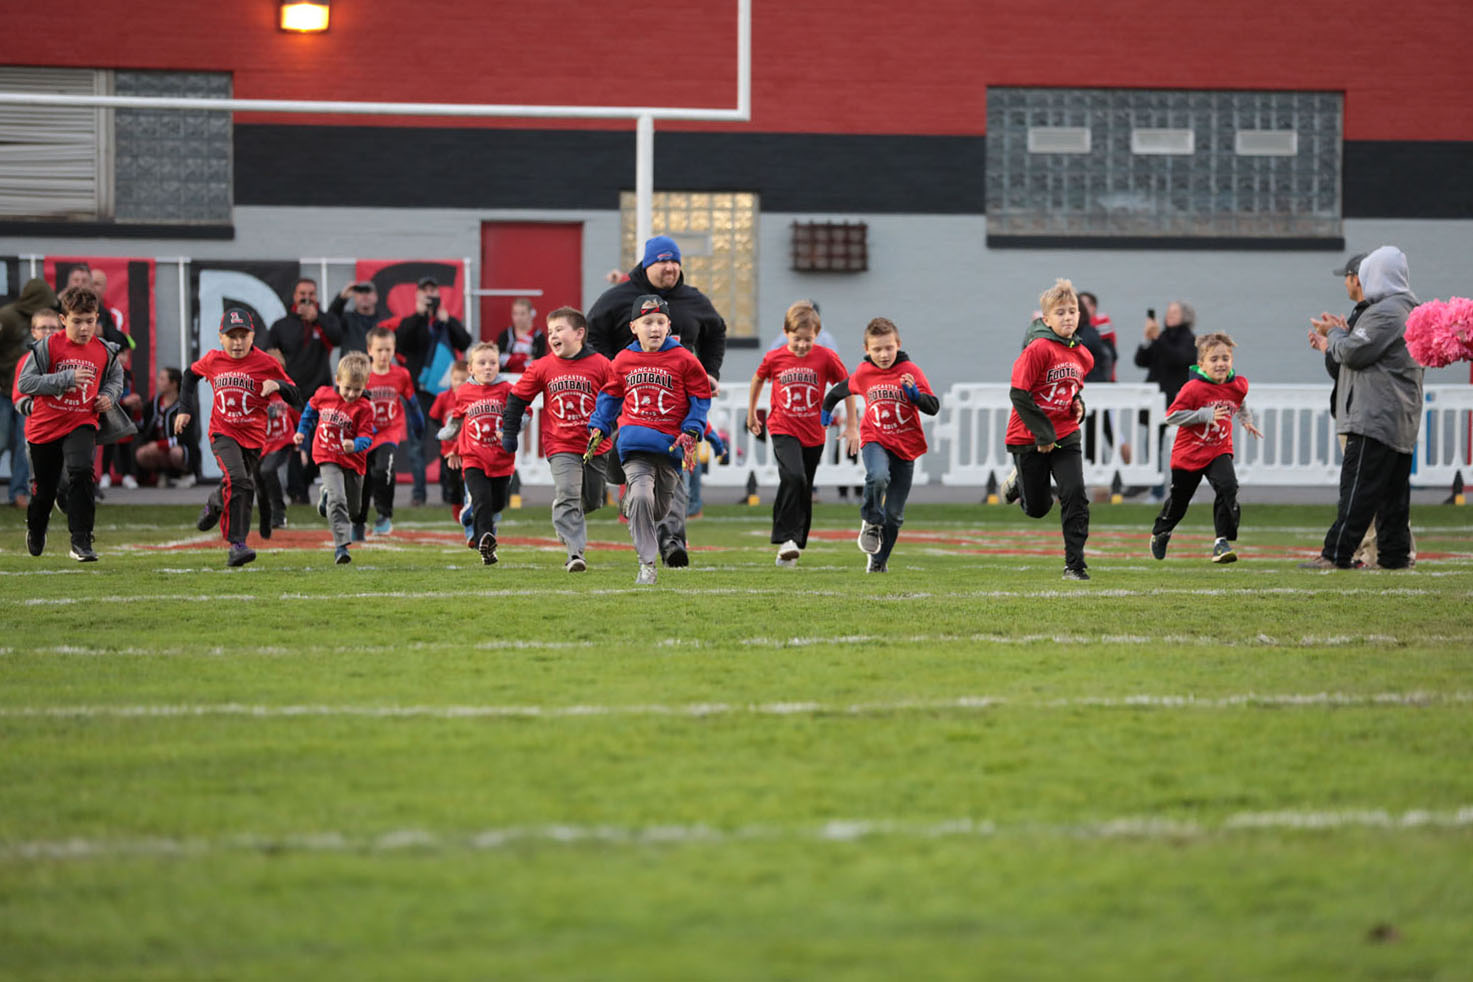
[[1088, 302], [358, 319], [303, 341], [431, 341], [105, 320], [523, 341], [15, 335], [1167, 356], [1102, 372], [160, 452]]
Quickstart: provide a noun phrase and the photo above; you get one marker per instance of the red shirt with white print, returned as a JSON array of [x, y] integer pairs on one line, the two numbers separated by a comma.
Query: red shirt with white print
[[1053, 373], [53, 417], [439, 413], [1199, 444], [339, 420], [798, 385], [238, 409], [481, 407], [569, 388], [384, 391], [281, 424], [656, 387], [891, 419]]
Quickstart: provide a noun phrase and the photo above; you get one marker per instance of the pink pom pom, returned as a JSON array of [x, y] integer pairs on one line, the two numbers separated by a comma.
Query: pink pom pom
[[1439, 333]]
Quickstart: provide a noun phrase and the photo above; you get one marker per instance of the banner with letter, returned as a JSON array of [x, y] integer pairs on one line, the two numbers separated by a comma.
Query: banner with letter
[[128, 298]]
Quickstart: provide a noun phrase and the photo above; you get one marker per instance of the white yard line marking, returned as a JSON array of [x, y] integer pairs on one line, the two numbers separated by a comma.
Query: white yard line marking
[[1147, 827], [1249, 700]]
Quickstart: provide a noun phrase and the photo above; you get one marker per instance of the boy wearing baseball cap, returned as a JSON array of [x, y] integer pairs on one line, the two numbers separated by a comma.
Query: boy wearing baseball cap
[[243, 378], [660, 394]]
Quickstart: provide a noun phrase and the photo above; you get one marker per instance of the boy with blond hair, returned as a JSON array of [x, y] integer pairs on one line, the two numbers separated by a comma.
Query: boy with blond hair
[[476, 419], [339, 421], [396, 415]]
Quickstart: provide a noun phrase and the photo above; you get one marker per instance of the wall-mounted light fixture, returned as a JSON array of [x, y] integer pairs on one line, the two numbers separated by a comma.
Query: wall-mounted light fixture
[[304, 16]]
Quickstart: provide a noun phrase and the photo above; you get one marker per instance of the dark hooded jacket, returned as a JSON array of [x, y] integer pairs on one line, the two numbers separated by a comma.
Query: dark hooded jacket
[[1168, 358], [15, 327], [693, 318]]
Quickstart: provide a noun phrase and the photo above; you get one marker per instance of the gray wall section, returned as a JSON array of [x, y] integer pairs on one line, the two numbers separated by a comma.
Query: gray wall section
[[961, 307]]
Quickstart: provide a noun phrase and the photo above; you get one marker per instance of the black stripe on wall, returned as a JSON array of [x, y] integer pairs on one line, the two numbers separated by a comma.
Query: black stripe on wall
[[401, 167]]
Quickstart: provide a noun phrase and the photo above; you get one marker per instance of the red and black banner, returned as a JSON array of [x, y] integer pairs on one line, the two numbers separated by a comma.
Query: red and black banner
[[128, 298]]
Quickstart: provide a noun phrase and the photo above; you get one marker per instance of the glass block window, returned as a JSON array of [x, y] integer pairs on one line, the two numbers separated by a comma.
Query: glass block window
[[717, 234], [824, 247], [1150, 163], [172, 165]]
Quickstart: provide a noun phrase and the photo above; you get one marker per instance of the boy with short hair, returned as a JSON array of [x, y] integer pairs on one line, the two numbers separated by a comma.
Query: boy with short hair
[[660, 394], [452, 485], [343, 423], [389, 386], [476, 418], [243, 378], [895, 392], [70, 377], [800, 371], [569, 381], [1204, 410], [281, 427], [1043, 428]]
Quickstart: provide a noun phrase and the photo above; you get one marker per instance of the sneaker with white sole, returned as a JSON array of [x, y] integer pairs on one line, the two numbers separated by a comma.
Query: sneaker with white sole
[[240, 554], [786, 563], [1158, 544], [873, 565], [322, 501], [1009, 489], [106, 481], [130, 482], [81, 549], [1222, 552], [646, 575], [340, 556], [487, 549], [383, 526], [789, 550], [575, 564], [1075, 573], [871, 537]]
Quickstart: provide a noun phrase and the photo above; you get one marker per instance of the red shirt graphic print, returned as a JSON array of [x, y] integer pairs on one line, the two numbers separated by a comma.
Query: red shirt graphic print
[[890, 418]]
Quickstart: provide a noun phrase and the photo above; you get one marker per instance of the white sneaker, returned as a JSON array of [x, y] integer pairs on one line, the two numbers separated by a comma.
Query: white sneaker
[[575, 564], [130, 482], [187, 481], [646, 575], [1009, 489], [786, 563], [789, 550], [106, 482], [870, 538]]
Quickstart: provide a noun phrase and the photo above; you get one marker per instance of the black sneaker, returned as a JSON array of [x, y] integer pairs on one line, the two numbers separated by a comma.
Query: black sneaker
[[81, 550], [35, 541], [1158, 544], [873, 565], [1071, 573], [1010, 491], [341, 557], [677, 558], [487, 549], [240, 554], [209, 517]]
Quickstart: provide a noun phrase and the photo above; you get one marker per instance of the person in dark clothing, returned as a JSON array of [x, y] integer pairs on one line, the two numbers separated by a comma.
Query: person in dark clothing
[[1103, 372], [697, 325], [303, 341], [358, 319], [1168, 356], [15, 335], [430, 341]]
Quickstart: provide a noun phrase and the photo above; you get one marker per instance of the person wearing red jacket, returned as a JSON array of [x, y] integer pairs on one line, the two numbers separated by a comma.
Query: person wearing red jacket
[[339, 422], [895, 393], [477, 415]]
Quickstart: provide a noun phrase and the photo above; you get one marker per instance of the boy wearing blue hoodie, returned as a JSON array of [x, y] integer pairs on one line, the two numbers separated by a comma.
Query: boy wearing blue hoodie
[[660, 394]]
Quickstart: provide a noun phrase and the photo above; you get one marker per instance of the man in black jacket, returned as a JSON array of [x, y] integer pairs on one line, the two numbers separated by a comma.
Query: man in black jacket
[[303, 341], [1167, 356], [358, 319], [429, 340], [693, 319]]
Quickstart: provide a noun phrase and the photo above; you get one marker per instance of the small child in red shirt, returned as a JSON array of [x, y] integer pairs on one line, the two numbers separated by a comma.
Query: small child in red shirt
[[452, 485], [1204, 410], [396, 415], [1043, 428], [478, 408], [343, 421], [895, 392], [800, 372], [243, 378]]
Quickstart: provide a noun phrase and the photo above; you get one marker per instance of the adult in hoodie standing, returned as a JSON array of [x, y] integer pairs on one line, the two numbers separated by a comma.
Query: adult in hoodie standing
[[303, 341], [15, 336], [693, 320], [1378, 409], [428, 340]]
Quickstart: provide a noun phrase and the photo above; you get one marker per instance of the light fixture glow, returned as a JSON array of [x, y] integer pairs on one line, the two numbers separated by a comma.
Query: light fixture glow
[[304, 18]]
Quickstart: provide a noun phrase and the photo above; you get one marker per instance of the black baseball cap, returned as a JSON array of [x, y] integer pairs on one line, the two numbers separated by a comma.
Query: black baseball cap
[[1352, 265], [650, 303], [362, 286], [425, 281], [236, 319]]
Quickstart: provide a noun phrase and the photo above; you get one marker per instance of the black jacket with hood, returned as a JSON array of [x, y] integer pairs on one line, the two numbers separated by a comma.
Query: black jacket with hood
[[15, 327], [693, 318], [1168, 358]]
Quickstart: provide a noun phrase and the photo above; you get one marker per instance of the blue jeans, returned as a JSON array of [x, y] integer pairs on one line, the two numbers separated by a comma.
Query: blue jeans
[[693, 488], [13, 438], [887, 480]]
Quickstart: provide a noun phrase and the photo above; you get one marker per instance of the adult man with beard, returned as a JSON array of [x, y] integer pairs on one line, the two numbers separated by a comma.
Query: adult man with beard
[[693, 319]]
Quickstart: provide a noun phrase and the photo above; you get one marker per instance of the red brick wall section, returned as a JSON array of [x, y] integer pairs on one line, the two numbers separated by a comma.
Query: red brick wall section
[[821, 66]]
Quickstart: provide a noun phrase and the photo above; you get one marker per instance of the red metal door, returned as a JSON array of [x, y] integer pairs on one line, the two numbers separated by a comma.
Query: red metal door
[[526, 257]]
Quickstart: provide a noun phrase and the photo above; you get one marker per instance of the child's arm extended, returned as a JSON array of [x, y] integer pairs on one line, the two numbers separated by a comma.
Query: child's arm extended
[[305, 425], [188, 400], [111, 388], [839, 391], [31, 382], [290, 394], [1020, 392], [926, 402], [511, 421], [1250, 420], [754, 425]]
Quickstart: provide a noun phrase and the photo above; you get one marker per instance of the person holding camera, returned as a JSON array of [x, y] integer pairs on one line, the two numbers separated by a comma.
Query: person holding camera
[[303, 341], [358, 319], [430, 341]]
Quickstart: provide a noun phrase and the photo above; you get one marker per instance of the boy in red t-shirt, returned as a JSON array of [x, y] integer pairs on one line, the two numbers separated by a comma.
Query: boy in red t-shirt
[[569, 381], [343, 421], [452, 485], [396, 414], [660, 394], [1043, 428], [895, 392], [796, 423], [281, 426], [476, 418], [1204, 410], [70, 377], [243, 378]]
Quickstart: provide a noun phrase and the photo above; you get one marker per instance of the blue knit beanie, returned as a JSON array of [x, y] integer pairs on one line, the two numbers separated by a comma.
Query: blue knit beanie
[[660, 249]]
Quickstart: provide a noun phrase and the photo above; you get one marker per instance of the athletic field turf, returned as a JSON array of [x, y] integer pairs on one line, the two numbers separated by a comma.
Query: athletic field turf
[[418, 767]]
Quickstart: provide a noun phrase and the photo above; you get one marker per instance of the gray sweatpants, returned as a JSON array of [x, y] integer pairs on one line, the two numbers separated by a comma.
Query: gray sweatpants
[[671, 528], [344, 490], [578, 489], [651, 481]]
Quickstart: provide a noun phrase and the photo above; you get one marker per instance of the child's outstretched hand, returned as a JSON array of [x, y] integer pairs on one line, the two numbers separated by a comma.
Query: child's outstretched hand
[[595, 437], [452, 461], [1253, 429], [754, 425], [347, 446], [686, 442], [851, 439], [298, 438], [180, 422]]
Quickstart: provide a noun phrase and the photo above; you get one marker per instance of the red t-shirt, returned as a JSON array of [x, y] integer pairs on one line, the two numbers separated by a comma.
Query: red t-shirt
[[281, 423], [798, 385], [239, 410], [1200, 444], [1053, 373], [569, 388], [440, 412], [53, 417], [337, 421], [890, 419], [656, 387], [479, 444], [1107, 334], [384, 392]]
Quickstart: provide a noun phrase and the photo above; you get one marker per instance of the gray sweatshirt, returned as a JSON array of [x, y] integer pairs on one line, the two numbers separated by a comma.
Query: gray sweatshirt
[[36, 380]]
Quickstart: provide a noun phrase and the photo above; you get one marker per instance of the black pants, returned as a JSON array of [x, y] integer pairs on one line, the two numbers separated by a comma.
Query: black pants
[[792, 509], [452, 484], [1107, 433], [378, 483], [1224, 481], [73, 454], [269, 490], [239, 467], [488, 496], [1065, 465], [1375, 485], [299, 476]]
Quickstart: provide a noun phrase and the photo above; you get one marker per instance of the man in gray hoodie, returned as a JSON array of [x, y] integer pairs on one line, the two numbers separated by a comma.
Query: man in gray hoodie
[[1379, 410]]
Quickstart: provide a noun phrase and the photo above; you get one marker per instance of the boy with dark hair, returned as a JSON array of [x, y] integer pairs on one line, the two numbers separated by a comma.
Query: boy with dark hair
[[660, 394], [476, 419], [340, 422], [569, 381], [895, 392], [1203, 409], [243, 378], [389, 388], [452, 484], [70, 377], [281, 426], [1043, 428]]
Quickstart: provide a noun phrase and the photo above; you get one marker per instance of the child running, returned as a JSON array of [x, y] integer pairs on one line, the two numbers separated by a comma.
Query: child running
[[1204, 410], [569, 381], [243, 378], [452, 486], [1043, 428], [343, 423], [477, 414], [396, 414], [800, 372], [895, 392], [661, 395]]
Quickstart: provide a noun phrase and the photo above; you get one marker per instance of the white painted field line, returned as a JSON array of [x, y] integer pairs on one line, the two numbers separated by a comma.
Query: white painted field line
[[1144, 827], [1241, 700]]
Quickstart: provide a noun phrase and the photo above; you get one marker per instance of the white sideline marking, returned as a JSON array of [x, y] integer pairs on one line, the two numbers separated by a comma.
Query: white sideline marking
[[836, 830], [793, 708]]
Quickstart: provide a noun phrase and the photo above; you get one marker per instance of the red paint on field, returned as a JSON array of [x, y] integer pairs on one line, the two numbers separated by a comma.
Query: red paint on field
[[322, 539]]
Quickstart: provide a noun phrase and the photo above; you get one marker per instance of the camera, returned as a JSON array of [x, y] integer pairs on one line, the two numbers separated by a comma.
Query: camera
[[433, 303], [1151, 312]]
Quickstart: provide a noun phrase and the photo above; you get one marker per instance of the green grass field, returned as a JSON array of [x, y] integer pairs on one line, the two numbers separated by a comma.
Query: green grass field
[[419, 767]]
